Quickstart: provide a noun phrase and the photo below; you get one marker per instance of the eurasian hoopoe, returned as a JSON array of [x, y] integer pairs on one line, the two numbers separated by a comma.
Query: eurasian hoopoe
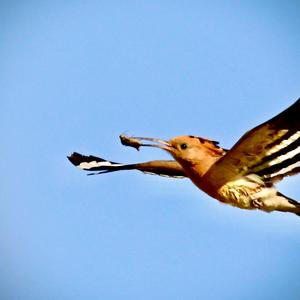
[[243, 176]]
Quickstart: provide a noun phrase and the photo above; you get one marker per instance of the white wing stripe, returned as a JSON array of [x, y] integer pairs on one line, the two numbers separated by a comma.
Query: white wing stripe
[[284, 143], [285, 170], [285, 150], [95, 164], [283, 157]]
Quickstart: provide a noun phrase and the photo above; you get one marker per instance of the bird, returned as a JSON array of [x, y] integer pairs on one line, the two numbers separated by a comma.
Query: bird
[[244, 176]]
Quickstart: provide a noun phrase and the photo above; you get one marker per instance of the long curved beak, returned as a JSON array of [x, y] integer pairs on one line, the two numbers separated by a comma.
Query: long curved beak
[[137, 142]]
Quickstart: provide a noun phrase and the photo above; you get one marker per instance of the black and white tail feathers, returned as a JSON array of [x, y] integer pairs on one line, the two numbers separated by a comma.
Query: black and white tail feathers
[[294, 205]]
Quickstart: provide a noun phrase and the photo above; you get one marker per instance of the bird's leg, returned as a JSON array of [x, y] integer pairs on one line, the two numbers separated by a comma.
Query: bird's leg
[[258, 203]]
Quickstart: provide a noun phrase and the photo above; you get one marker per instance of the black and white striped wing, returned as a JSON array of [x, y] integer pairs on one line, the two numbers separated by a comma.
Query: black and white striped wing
[[92, 163], [270, 150], [97, 165]]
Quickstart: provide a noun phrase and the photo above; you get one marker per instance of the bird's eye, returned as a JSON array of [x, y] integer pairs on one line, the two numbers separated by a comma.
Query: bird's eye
[[183, 146]]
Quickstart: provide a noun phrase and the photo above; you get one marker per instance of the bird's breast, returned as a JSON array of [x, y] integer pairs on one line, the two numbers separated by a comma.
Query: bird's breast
[[243, 191]]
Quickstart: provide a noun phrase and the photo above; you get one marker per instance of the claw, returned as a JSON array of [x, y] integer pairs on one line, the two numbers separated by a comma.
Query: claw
[[258, 203]]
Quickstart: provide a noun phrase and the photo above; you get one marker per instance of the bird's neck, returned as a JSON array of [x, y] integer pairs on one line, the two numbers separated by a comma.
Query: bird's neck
[[200, 167], [196, 170]]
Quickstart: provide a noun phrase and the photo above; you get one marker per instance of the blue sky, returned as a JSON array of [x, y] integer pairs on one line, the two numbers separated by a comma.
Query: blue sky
[[75, 75]]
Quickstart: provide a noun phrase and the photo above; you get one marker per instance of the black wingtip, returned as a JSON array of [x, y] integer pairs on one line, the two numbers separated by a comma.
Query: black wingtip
[[75, 158]]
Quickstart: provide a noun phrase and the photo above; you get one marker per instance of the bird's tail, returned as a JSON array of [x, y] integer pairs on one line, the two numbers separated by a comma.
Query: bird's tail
[[288, 204], [97, 165]]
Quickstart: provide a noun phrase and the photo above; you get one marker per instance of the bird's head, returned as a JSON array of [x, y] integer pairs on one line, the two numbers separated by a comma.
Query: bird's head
[[192, 149], [186, 149]]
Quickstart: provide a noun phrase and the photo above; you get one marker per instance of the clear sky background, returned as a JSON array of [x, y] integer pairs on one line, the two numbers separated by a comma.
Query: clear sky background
[[76, 74]]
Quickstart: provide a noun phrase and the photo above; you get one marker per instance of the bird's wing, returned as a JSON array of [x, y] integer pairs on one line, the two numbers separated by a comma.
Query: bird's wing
[[270, 150], [97, 165]]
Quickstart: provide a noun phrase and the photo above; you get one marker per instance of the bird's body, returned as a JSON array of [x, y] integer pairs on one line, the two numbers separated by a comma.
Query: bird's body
[[243, 177]]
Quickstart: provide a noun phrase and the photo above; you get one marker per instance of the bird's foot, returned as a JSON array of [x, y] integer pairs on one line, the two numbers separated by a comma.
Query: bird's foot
[[258, 203]]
